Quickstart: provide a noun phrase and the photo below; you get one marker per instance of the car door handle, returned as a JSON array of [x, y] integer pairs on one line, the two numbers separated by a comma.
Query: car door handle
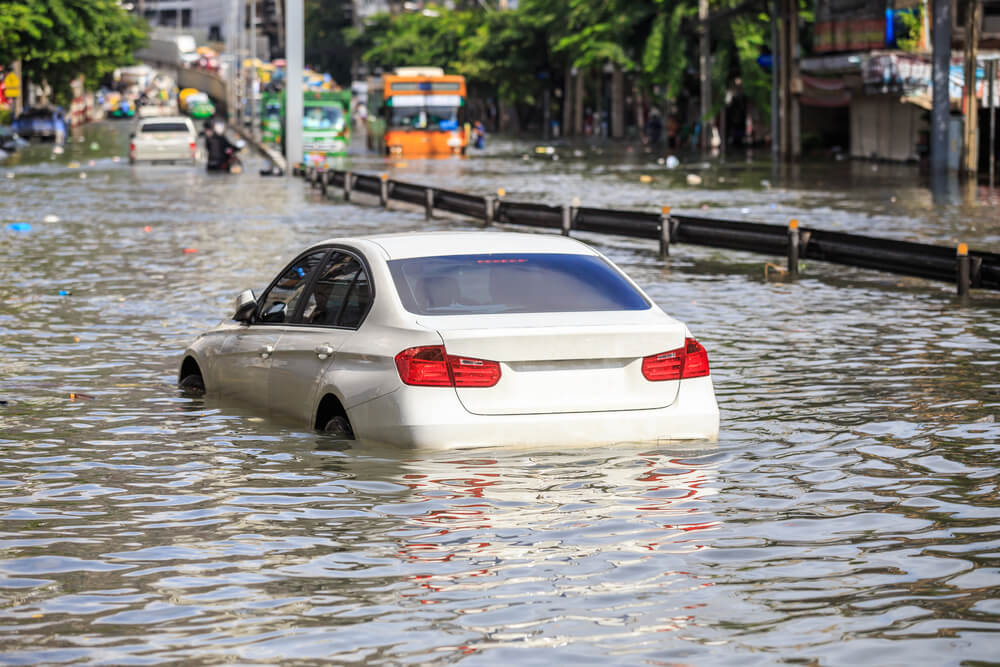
[[323, 352], [266, 351]]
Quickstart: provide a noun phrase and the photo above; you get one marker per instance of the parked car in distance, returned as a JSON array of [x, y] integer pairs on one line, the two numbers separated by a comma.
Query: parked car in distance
[[10, 141], [41, 123], [172, 138], [460, 339]]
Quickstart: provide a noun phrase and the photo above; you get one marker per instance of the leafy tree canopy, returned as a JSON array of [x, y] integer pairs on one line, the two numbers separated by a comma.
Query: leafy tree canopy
[[58, 40]]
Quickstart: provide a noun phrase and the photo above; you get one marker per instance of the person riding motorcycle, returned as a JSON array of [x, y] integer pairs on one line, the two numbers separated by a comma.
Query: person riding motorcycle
[[218, 147]]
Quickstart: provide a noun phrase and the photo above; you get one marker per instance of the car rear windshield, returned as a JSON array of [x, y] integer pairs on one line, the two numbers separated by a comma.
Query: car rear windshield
[[511, 283], [165, 127]]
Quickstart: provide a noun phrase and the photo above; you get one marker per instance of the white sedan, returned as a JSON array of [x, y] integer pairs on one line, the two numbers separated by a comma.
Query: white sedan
[[172, 138], [461, 339]]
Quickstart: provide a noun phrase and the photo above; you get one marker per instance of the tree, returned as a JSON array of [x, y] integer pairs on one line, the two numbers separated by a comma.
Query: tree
[[327, 47], [58, 40]]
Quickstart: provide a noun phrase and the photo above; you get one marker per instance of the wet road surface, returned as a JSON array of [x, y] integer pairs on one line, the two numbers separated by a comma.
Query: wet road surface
[[848, 514]]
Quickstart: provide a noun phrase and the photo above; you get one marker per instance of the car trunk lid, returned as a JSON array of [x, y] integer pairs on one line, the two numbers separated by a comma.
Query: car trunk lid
[[585, 364]]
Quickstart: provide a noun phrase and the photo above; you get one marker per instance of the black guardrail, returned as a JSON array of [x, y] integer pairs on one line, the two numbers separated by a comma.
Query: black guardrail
[[965, 268]]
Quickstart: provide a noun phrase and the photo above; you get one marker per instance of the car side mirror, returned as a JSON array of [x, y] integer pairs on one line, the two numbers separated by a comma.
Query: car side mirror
[[274, 314], [246, 304]]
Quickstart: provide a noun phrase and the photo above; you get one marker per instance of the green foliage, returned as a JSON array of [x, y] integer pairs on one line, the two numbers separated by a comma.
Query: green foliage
[[911, 25], [665, 56], [326, 46], [58, 40], [519, 53]]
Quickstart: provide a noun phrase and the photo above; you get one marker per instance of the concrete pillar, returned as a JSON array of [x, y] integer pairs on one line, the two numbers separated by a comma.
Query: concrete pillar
[[577, 102], [294, 59], [941, 38], [970, 131], [617, 103], [567, 110], [704, 74]]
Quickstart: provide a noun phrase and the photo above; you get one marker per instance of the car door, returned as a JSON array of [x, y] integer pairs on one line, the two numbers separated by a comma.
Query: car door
[[329, 315], [245, 356]]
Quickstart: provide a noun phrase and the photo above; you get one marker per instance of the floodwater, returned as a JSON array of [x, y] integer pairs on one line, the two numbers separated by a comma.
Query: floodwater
[[848, 514]]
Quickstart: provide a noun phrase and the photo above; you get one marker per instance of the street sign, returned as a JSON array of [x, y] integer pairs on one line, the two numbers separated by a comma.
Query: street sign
[[12, 85]]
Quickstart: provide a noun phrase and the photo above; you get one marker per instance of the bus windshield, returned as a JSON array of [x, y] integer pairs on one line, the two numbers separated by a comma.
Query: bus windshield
[[323, 118], [425, 117]]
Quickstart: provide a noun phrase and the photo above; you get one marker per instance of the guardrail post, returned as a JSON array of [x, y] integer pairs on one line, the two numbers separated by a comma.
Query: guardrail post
[[665, 232], [793, 248], [489, 207], [383, 191], [348, 184], [964, 270], [567, 220], [428, 203], [323, 176]]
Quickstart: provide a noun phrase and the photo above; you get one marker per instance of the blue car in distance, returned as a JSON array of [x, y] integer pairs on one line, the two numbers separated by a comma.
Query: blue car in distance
[[41, 123]]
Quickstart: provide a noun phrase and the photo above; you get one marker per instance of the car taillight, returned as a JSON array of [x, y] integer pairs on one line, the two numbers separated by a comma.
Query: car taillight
[[432, 366], [131, 147], [192, 147], [690, 361]]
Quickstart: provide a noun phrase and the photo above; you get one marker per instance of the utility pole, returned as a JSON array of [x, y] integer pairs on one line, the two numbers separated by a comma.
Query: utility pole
[[294, 61], [705, 74], [991, 73], [19, 100], [254, 86], [788, 77], [567, 102], [941, 66], [775, 83], [970, 143]]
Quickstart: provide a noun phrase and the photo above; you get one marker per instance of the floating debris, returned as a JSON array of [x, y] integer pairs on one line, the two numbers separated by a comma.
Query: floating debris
[[73, 165], [50, 218], [190, 251], [83, 175], [64, 292], [94, 146], [147, 228], [58, 150], [672, 162], [645, 178], [693, 179], [19, 227]]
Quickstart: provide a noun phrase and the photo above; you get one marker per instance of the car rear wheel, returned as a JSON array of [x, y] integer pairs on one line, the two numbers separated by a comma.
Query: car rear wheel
[[192, 384], [339, 428]]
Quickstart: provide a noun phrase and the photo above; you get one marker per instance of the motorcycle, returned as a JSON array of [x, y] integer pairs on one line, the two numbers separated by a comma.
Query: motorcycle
[[232, 163]]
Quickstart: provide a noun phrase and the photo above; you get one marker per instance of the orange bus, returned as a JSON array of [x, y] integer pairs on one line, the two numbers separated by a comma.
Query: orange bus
[[418, 111]]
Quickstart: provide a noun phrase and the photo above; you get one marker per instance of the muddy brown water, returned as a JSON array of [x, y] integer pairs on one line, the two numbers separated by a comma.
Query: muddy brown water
[[848, 514]]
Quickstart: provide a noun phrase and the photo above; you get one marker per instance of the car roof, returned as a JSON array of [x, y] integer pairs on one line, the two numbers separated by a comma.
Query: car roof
[[165, 119], [433, 244]]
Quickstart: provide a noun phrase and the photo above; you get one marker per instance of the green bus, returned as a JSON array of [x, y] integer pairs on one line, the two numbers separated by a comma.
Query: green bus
[[326, 127]]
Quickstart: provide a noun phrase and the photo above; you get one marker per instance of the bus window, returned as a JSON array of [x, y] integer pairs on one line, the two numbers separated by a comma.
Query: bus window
[[323, 118]]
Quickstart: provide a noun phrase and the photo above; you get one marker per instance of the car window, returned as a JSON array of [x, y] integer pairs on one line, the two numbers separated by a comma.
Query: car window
[[512, 283], [278, 304], [165, 127], [341, 295]]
